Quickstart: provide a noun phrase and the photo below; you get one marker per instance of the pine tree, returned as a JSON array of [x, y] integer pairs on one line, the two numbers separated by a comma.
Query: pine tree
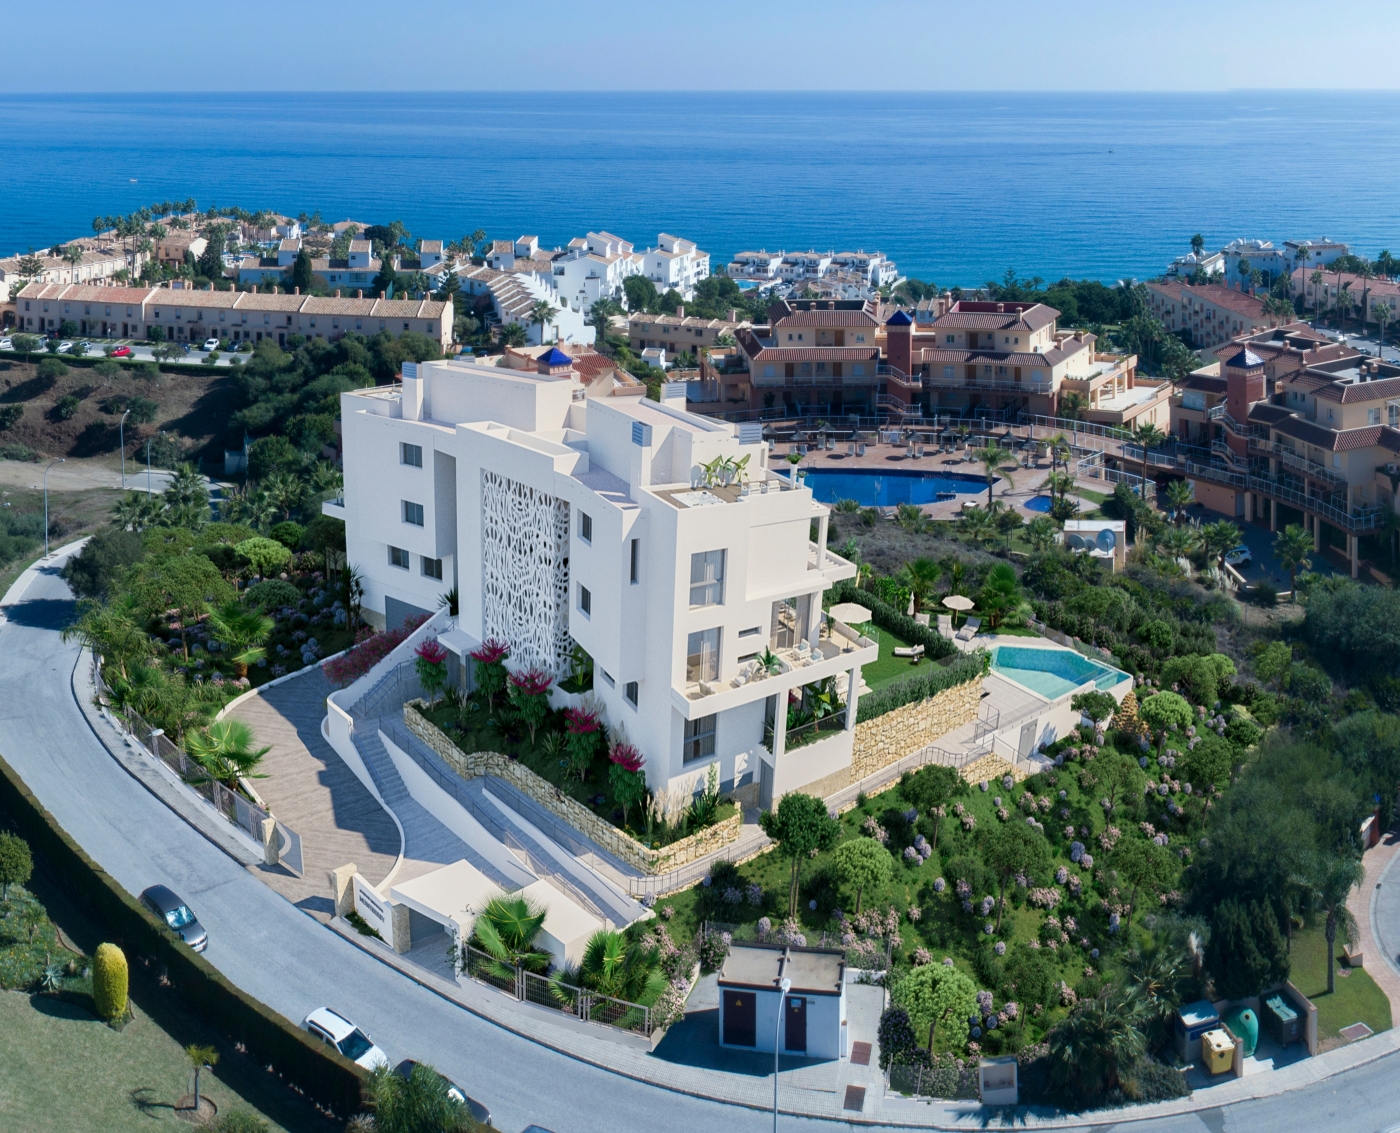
[[1126, 719], [1247, 952]]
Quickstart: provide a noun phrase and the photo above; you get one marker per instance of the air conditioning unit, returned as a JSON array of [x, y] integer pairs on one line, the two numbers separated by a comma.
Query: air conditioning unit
[[1393, 469]]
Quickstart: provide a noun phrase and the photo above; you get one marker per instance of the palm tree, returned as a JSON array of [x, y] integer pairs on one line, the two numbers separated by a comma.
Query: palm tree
[[513, 334], [1181, 494], [921, 576], [225, 751], [1058, 483], [1332, 877], [1071, 405], [285, 491], [505, 930], [1345, 303], [600, 315], [992, 457], [955, 571], [1381, 313], [1149, 436], [1293, 545], [1154, 976], [111, 631], [242, 632], [1220, 538], [1001, 594], [1244, 267], [1198, 244], [422, 1102], [1367, 273], [1317, 279], [1041, 532], [911, 517], [200, 1057], [611, 966], [1100, 1039], [977, 525], [541, 313], [1178, 542]]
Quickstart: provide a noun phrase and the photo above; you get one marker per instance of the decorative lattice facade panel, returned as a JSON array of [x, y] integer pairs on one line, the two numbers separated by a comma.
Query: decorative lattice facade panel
[[525, 573]]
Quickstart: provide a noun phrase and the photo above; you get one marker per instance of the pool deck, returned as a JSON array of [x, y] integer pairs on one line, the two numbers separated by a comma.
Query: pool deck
[[894, 458]]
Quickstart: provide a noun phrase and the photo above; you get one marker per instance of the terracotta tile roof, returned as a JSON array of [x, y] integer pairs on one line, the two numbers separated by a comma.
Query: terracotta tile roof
[[1265, 413], [827, 319], [1335, 440], [1240, 302], [1031, 319], [999, 358], [86, 293], [818, 354], [1353, 393], [1205, 382]]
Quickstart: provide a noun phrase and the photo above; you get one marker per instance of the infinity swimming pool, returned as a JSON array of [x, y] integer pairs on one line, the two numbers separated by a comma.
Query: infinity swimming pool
[[881, 488], [1052, 672]]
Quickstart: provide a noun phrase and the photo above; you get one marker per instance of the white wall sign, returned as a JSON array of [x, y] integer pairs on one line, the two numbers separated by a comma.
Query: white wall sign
[[373, 908]]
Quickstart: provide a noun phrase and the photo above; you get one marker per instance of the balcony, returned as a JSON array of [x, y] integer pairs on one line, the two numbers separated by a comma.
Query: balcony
[[1296, 461], [335, 508]]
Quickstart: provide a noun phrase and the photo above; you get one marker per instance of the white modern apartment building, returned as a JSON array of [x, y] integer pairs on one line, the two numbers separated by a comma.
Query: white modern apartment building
[[874, 267], [761, 265], [1262, 255], [675, 264], [593, 267], [1320, 253], [564, 519]]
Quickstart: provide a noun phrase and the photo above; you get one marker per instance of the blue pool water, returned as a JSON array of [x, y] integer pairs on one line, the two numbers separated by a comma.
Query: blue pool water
[[1038, 503], [1052, 672], [878, 488]]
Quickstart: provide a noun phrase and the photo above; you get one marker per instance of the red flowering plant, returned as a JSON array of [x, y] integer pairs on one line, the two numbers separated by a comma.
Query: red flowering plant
[[528, 691], [625, 776], [582, 728], [369, 649], [430, 662], [490, 658]]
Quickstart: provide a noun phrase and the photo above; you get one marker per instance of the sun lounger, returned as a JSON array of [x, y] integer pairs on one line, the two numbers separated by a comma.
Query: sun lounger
[[913, 651], [969, 629], [860, 449], [851, 449], [945, 625], [922, 619]]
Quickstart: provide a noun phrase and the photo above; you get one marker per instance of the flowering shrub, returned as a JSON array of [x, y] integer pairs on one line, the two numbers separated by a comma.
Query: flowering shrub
[[527, 694], [1044, 898], [1061, 875], [755, 894], [914, 914], [714, 947], [629, 784], [1109, 838], [921, 957], [430, 663], [939, 884], [999, 948], [764, 926], [369, 649], [490, 658], [582, 728]]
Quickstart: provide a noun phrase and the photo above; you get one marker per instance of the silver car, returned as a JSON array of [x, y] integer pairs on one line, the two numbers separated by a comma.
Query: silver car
[[175, 913]]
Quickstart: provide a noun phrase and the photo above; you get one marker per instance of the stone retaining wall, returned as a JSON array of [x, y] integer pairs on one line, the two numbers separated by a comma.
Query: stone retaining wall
[[471, 765], [904, 730]]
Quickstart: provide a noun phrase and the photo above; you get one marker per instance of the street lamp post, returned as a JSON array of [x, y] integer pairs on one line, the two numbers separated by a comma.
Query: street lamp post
[[60, 460], [121, 430], [784, 987]]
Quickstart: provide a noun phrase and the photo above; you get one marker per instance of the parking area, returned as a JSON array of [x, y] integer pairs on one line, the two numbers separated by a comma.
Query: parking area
[[1264, 564]]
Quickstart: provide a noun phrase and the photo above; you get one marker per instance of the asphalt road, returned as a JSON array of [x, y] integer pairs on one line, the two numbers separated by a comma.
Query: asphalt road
[[293, 964]]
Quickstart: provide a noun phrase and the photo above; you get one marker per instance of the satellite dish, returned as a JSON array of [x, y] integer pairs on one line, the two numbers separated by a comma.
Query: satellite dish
[[1106, 540], [1076, 542]]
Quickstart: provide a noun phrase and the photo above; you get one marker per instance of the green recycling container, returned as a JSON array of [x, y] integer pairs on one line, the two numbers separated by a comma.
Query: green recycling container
[[1244, 1025]]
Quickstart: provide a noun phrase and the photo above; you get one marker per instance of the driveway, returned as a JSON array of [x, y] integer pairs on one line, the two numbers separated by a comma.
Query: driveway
[[1260, 541], [290, 962]]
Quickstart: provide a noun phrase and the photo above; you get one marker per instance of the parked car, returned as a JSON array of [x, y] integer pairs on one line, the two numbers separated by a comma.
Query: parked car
[[85, 346], [6, 344], [174, 912], [210, 344], [1239, 556], [478, 1111], [347, 1038], [122, 352], [65, 347]]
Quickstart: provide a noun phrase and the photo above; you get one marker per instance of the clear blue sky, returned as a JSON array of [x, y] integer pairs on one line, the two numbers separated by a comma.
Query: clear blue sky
[[90, 45]]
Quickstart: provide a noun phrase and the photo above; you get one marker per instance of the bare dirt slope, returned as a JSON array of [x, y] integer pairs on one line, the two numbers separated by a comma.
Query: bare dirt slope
[[190, 407]]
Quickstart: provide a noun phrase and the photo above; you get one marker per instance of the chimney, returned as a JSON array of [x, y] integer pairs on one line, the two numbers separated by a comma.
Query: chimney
[[360, 294], [255, 289], [1001, 308], [831, 304], [296, 290], [680, 311], [381, 295], [733, 315], [337, 292]]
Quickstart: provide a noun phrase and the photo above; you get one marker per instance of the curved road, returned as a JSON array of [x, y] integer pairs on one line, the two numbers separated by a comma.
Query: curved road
[[293, 963]]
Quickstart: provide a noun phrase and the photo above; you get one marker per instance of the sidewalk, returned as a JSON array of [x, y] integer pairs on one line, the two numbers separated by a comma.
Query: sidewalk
[[1378, 937]]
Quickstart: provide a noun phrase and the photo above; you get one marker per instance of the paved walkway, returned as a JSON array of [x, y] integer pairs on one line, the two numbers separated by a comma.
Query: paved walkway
[[309, 787], [1376, 907]]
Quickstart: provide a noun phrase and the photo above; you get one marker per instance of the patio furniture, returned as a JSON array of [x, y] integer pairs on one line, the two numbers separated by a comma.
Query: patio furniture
[[945, 626], [916, 652], [969, 629], [860, 449], [850, 448], [921, 619]]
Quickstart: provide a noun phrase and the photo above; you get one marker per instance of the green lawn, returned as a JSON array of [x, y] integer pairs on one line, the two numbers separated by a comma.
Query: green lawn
[[888, 667], [1357, 998]]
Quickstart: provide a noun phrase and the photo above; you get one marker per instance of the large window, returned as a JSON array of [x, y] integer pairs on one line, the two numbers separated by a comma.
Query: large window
[[411, 455], [706, 579], [432, 568], [398, 557], [702, 656], [699, 739], [413, 513]]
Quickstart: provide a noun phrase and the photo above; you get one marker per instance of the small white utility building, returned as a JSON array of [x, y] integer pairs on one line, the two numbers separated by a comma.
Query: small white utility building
[[814, 1010]]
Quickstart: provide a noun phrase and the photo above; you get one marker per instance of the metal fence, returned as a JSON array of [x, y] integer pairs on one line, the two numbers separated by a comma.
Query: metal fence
[[531, 987], [247, 815]]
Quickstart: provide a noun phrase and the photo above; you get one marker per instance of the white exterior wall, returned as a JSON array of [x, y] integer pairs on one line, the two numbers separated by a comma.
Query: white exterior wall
[[476, 424], [825, 1013]]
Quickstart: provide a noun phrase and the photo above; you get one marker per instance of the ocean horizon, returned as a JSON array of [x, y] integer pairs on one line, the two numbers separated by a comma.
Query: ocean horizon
[[956, 188]]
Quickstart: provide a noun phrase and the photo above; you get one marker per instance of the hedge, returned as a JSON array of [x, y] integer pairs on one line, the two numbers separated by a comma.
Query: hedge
[[922, 685], [322, 1073], [896, 621]]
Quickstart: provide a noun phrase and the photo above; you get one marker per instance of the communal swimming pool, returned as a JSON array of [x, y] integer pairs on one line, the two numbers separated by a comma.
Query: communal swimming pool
[[1052, 672], [1038, 503], [881, 488]]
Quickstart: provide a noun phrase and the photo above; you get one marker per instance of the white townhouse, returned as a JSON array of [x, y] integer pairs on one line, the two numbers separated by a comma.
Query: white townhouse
[[675, 264], [761, 265], [593, 268], [567, 520]]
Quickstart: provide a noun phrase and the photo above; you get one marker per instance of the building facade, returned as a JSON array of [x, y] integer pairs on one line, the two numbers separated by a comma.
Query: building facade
[[570, 521], [1210, 313], [187, 315], [1362, 295], [675, 265]]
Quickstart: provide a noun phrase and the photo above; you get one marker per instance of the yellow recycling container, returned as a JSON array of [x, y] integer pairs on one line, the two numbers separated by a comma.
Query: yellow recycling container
[[1217, 1052]]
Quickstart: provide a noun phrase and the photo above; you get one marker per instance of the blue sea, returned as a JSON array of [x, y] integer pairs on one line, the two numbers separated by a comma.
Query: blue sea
[[955, 187]]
